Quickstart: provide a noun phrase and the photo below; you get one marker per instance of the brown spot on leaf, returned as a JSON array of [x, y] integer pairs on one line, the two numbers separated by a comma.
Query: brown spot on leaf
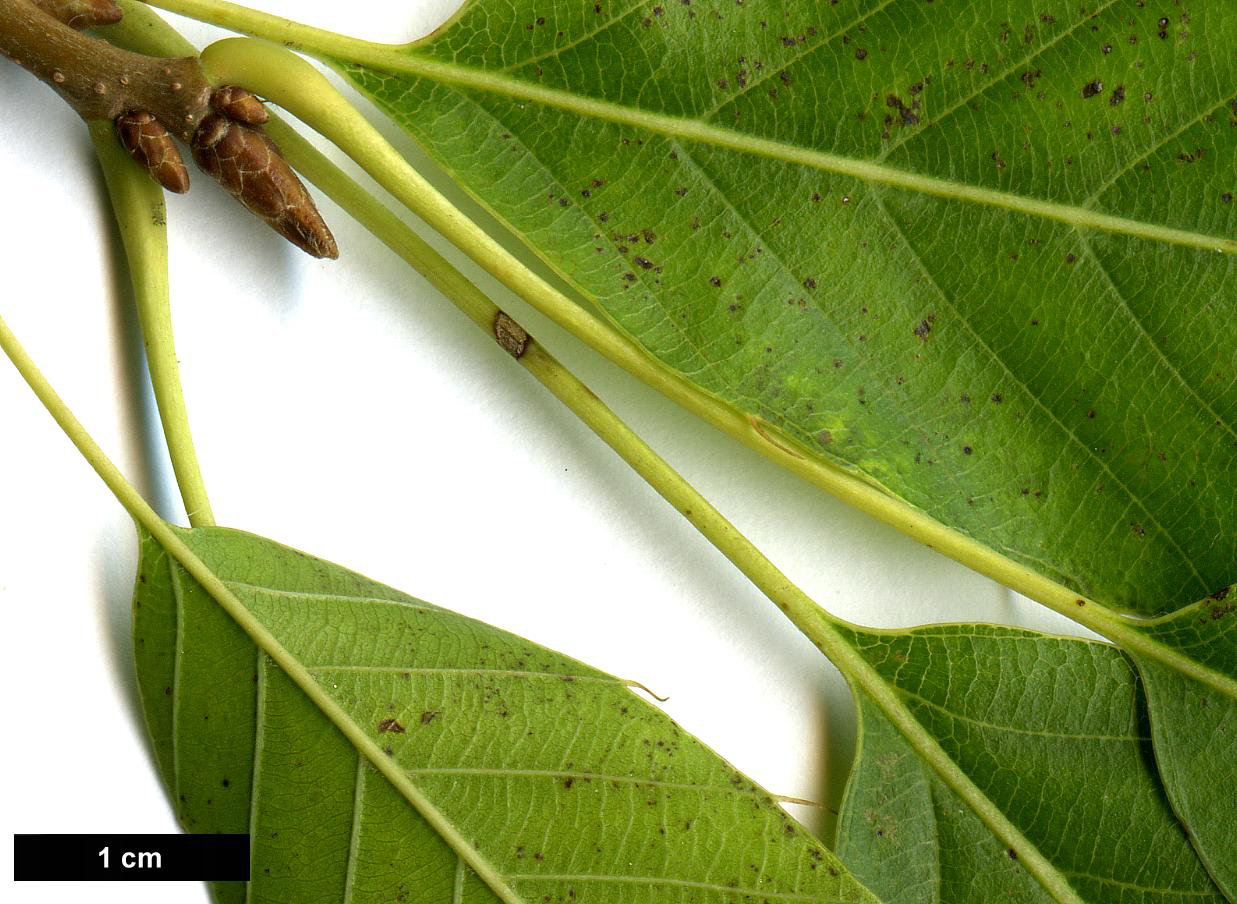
[[907, 115]]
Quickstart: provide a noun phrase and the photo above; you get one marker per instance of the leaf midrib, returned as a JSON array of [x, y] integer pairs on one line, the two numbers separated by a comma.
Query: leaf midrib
[[1053, 418], [890, 148], [180, 556], [259, 731], [1071, 437], [399, 60], [711, 362], [272, 654], [341, 52]]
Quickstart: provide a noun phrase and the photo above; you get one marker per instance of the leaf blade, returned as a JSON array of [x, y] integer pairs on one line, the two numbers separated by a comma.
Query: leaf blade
[[974, 375], [1054, 731], [465, 726], [1194, 727], [493, 143]]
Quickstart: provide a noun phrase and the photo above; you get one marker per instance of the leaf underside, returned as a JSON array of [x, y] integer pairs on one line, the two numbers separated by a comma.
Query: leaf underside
[[567, 784], [1054, 731], [1066, 395], [1195, 729]]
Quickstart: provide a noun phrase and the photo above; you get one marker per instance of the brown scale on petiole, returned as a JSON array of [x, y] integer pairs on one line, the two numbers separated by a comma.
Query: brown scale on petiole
[[512, 337]]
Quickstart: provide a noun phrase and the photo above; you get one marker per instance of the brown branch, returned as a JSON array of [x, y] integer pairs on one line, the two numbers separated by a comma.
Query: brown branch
[[150, 99], [81, 14], [98, 80]]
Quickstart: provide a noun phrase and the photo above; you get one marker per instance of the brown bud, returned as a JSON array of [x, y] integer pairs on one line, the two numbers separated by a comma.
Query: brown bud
[[248, 164], [81, 14], [151, 145], [239, 105]]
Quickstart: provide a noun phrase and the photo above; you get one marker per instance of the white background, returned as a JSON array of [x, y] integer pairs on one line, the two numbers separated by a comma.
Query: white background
[[348, 410]]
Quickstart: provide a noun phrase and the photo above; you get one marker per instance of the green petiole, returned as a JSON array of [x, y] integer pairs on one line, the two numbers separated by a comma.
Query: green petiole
[[139, 207]]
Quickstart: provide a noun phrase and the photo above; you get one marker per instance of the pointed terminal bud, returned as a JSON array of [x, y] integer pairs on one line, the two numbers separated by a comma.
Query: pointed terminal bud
[[151, 145], [248, 164], [82, 14], [239, 105]]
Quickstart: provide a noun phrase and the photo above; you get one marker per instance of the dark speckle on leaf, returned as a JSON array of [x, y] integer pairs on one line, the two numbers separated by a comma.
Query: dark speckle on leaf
[[1090, 89], [907, 115]]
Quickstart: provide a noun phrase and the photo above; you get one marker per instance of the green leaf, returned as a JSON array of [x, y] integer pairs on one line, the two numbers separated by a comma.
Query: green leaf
[[969, 254], [1195, 730], [1054, 732], [983, 263], [451, 761], [977, 262]]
